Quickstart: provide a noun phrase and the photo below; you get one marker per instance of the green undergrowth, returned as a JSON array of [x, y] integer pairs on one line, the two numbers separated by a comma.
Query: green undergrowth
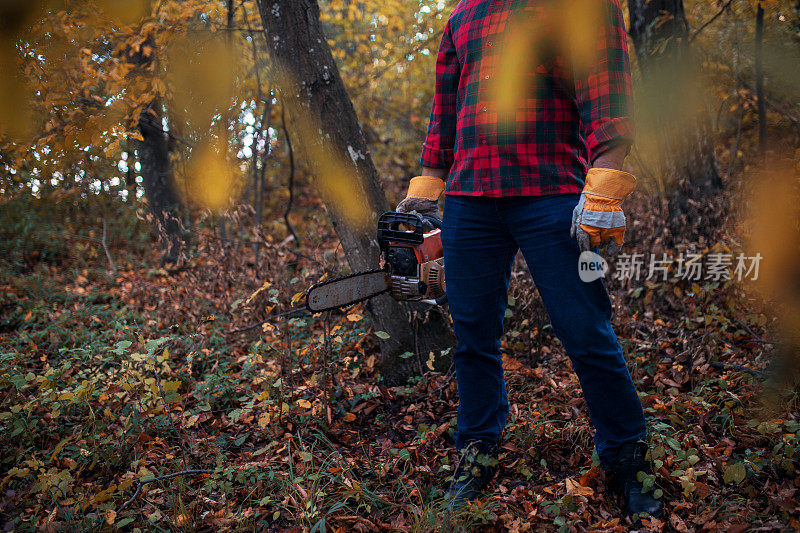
[[108, 382]]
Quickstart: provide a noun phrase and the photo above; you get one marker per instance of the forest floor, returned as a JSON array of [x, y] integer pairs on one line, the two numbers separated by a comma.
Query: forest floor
[[112, 381]]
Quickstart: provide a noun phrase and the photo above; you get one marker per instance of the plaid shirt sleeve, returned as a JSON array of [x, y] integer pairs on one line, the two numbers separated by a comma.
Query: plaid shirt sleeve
[[604, 92], [437, 151]]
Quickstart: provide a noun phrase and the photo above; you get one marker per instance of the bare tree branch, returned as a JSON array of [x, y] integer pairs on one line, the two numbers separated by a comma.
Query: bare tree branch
[[710, 21]]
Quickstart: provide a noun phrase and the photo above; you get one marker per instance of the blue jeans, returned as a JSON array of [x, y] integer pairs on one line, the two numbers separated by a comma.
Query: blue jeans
[[481, 236]]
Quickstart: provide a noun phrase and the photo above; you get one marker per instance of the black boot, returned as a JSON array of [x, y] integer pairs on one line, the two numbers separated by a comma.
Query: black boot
[[477, 465], [624, 482]]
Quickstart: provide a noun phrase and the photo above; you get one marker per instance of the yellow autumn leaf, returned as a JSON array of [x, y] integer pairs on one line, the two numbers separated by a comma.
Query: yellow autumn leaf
[[305, 404], [335, 169], [16, 115], [211, 180], [579, 31], [298, 296], [266, 285], [354, 317], [125, 12], [171, 386], [430, 361], [201, 77], [567, 28]]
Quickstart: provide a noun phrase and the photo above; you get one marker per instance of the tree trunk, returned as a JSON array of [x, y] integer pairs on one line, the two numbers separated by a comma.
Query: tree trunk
[[130, 176], [158, 183], [674, 108], [759, 67], [797, 20], [296, 43], [153, 152]]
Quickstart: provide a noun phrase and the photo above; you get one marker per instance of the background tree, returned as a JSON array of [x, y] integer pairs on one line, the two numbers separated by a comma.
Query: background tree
[[759, 73], [314, 91], [153, 151], [673, 107]]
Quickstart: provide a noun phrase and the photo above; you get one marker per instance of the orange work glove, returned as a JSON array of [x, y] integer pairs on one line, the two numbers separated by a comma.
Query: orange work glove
[[598, 219], [423, 197]]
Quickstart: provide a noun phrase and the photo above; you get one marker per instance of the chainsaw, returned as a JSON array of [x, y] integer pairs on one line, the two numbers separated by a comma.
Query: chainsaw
[[413, 267]]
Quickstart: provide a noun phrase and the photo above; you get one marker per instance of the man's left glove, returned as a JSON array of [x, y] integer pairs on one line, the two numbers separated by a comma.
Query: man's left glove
[[422, 197], [598, 219]]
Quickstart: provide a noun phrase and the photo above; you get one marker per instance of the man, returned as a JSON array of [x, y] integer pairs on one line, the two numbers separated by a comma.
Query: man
[[544, 179]]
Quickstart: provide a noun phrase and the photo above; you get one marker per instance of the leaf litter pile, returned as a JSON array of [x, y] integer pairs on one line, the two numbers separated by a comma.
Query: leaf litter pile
[[171, 401]]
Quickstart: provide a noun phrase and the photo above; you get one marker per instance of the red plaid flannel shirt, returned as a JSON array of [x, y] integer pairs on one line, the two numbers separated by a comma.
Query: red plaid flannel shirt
[[565, 122]]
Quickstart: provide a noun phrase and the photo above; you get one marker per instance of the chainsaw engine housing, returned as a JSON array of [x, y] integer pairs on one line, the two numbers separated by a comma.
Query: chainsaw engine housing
[[413, 258]]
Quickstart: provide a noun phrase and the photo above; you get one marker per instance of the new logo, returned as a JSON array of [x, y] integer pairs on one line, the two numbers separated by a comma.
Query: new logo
[[591, 266]]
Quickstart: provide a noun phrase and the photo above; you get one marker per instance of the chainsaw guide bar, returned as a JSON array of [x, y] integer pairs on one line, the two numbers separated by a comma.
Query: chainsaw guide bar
[[347, 290]]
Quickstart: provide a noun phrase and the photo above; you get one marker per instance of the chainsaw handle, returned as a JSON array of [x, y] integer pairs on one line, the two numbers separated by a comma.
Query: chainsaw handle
[[437, 223], [441, 300]]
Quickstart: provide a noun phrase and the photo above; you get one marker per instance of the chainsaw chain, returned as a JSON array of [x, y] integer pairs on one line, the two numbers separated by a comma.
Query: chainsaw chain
[[340, 278]]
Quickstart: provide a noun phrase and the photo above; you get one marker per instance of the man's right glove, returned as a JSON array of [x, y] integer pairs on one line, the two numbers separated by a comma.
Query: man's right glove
[[598, 219], [422, 197]]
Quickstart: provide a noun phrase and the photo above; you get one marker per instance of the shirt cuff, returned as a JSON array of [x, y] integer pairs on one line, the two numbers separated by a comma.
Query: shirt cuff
[[436, 157], [610, 134]]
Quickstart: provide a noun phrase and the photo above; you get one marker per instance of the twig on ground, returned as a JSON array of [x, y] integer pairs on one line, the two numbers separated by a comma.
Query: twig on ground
[[414, 318], [257, 324], [144, 482], [140, 485], [755, 338], [448, 380], [738, 367], [104, 242]]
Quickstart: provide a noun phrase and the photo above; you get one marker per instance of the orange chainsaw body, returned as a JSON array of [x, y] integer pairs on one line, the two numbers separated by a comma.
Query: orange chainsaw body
[[414, 258], [412, 269]]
